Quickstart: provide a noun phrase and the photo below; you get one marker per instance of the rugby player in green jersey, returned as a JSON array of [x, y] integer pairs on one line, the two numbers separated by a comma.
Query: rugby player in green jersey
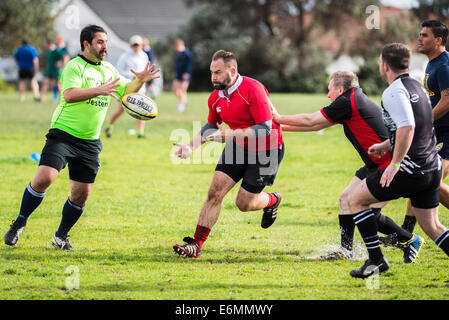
[[88, 85]]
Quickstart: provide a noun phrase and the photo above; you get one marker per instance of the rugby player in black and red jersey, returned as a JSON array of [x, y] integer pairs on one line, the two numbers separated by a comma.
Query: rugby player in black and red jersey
[[253, 152], [363, 126]]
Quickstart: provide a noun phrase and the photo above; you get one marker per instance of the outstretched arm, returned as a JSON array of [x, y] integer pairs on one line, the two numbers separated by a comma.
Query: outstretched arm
[[302, 122], [185, 150], [72, 95]]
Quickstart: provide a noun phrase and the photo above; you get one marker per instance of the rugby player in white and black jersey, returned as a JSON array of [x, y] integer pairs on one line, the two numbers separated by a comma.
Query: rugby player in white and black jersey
[[415, 168], [432, 42]]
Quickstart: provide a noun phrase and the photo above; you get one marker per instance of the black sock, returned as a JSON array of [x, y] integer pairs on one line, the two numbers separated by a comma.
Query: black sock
[[386, 225], [347, 227], [70, 215], [443, 241], [30, 201], [366, 223], [409, 223]]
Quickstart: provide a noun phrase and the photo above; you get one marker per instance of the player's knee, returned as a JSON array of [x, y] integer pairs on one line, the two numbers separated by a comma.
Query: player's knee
[[41, 183], [243, 204], [214, 196], [343, 200], [80, 198], [353, 204]]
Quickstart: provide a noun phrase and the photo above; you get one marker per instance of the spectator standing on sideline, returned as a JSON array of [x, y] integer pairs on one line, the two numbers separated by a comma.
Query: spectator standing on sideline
[[183, 72], [55, 57], [27, 60], [135, 58], [149, 51]]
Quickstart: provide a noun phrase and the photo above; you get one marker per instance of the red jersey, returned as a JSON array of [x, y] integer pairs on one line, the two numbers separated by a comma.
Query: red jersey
[[362, 122], [245, 105]]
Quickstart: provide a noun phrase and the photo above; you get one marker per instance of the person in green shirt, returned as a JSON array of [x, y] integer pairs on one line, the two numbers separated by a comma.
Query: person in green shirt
[[88, 85], [55, 57]]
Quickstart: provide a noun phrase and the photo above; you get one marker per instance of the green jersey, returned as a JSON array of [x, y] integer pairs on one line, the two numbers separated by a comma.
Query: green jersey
[[84, 119], [53, 69]]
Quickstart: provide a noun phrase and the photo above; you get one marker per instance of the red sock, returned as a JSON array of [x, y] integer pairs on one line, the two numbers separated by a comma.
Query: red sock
[[272, 200], [201, 235]]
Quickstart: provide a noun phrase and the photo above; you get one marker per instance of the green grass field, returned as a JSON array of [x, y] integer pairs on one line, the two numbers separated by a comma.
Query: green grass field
[[142, 203]]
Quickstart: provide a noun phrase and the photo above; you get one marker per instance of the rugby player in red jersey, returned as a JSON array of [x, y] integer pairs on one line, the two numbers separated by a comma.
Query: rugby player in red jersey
[[253, 152]]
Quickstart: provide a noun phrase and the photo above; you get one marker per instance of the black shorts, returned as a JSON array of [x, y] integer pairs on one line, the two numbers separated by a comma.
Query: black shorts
[[179, 77], [257, 169], [423, 190], [26, 73], [81, 155], [365, 171]]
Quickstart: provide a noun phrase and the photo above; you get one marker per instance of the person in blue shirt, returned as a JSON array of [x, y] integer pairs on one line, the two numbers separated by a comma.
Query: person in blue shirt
[[27, 60], [432, 42], [183, 72]]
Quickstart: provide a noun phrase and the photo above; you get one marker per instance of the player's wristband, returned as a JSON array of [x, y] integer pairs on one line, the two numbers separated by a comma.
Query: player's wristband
[[395, 165]]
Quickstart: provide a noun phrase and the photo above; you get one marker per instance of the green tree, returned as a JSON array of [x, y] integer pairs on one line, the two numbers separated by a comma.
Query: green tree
[[436, 9], [283, 43], [21, 19]]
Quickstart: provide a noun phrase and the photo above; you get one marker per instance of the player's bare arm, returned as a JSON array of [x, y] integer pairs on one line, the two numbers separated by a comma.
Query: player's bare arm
[[72, 95], [224, 134], [256, 131], [36, 65], [404, 137], [185, 150], [147, 74], [286, 127], [303, 121], [442, 106]]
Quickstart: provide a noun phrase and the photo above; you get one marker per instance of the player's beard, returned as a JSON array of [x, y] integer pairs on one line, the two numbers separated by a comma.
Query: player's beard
[[99, 54], [224, 84]]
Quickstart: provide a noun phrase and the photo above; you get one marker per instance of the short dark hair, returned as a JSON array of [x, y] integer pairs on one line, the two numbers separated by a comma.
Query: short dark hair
[[397, 56], [88, 33], [439, 29], [227, 56]]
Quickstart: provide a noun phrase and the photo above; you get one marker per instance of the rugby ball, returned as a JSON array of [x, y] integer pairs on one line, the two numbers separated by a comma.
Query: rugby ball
[[139, 106]]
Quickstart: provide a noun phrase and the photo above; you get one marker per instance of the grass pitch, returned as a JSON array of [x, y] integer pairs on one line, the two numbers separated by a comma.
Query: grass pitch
[[142, 203]]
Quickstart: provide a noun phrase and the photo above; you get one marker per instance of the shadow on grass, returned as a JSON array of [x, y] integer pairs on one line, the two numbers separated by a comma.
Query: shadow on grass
[[300, 222], [157, 254], [192, 287]]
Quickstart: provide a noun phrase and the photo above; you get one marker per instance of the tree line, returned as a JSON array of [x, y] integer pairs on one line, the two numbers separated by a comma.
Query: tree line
[[286, 44]]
